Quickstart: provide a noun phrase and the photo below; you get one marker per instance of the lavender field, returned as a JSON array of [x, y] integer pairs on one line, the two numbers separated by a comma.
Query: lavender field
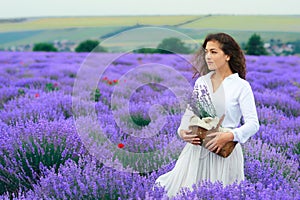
[[106, 127]]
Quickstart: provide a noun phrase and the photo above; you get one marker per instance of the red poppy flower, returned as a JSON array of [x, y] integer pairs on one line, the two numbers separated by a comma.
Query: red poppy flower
[[37, 95], [121, 145]]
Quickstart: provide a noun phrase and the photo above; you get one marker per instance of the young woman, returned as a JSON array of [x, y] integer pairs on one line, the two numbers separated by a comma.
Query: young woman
[[224, 74]]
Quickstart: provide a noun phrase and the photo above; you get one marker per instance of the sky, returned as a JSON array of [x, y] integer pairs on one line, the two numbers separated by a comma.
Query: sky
[[46, 8]]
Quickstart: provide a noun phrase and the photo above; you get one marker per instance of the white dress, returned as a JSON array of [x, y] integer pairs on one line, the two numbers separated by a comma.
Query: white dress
[[235, 98]]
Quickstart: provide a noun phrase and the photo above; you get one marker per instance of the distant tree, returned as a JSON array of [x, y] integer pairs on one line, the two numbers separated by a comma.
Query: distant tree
[[90, 45], [255, 46], [296, 46], [167, 46], [44, 47], [173, 45]]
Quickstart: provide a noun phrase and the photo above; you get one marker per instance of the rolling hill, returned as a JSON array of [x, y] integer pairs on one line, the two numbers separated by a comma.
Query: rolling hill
[[75, 29]]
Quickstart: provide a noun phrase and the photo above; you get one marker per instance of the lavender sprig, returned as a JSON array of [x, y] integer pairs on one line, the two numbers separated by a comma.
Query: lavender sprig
[[201, 103]]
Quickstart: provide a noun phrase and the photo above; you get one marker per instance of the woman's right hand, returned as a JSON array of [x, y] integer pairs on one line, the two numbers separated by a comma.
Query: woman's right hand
[[188, 136]]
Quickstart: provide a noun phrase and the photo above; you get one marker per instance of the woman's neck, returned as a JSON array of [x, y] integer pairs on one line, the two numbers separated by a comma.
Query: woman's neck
[[221, 74]]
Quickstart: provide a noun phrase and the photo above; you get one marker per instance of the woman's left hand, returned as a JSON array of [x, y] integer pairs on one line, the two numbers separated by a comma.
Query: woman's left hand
[[219, 140]]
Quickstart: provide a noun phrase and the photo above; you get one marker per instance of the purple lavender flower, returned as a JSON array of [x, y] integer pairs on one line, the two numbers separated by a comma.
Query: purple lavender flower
[[42, 156]]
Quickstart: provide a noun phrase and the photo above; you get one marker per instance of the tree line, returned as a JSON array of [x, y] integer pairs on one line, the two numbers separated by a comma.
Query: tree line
[[254, 46]]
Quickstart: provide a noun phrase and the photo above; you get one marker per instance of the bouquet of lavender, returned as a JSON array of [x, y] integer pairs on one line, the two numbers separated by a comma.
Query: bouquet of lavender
[[205, 120], [200, 103]]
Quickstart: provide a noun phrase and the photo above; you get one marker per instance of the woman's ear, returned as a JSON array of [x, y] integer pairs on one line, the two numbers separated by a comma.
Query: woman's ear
[[227, 58]]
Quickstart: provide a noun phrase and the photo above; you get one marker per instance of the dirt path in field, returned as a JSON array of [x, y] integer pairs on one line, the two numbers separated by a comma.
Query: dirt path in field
[[192, 20]]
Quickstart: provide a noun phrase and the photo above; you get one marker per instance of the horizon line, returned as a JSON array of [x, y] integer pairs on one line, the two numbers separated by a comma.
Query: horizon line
[[141, 15]]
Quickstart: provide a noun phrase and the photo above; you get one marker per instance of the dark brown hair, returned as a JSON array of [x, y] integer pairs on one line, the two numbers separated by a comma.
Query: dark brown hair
[[229, 46]]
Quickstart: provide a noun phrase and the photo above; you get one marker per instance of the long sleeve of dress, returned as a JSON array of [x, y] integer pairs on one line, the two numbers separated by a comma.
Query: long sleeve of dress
[[249, 113], [234, 98], [184, 125]]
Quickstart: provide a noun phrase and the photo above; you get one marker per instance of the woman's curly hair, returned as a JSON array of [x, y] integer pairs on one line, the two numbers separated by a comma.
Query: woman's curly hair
[[229, 46]]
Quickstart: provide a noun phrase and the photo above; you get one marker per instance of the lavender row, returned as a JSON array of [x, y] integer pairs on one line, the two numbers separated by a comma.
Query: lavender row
[[49, 130]]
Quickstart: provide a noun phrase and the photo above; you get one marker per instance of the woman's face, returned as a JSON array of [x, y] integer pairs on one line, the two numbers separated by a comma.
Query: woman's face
[[214, 56]]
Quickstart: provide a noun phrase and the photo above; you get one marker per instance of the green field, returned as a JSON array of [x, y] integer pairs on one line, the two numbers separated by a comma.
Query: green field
[[76, 29], [80, 22], [248, 23]]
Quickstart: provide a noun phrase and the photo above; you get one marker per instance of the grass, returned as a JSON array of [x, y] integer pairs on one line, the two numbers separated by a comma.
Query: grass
[[76, 29], [71, 34], [248, 23], [288, 23], [80, 22], [146, 38]]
